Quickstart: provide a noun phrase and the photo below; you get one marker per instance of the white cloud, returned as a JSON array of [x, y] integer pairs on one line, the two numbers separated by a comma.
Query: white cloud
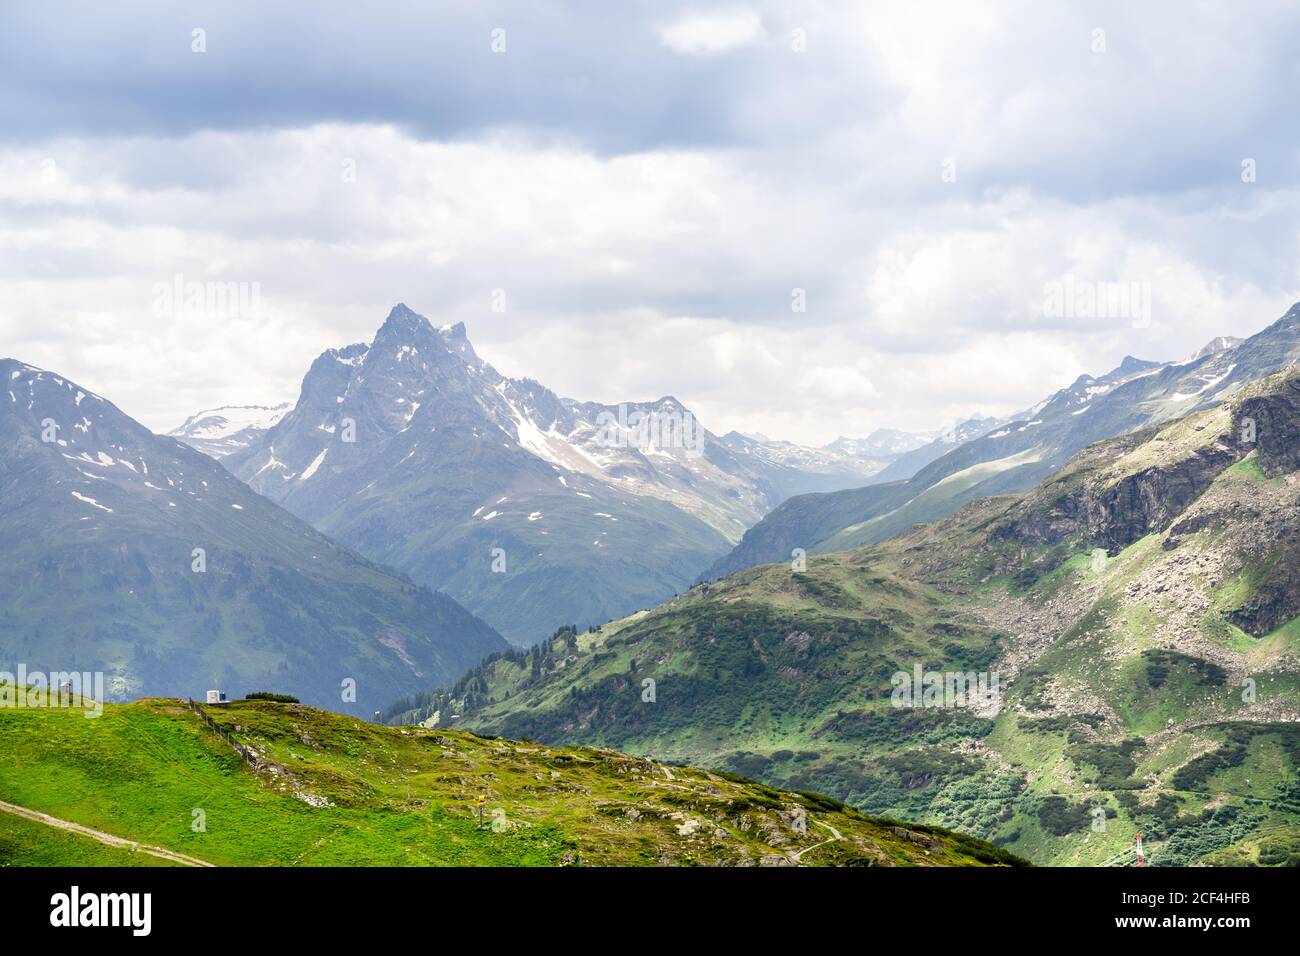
[[626, 277], [712, 34]]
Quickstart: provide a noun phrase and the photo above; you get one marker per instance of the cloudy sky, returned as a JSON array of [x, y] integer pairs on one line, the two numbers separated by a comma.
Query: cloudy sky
[[652, 190]]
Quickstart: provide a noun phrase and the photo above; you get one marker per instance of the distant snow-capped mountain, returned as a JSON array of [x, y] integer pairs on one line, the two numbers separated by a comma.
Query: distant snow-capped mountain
[[881, 443], [221, 431], [791, 469]]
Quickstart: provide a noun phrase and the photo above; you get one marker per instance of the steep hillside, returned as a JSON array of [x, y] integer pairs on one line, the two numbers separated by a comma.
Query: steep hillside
[[322, 789], [135, 555], [1017, 454], [1276, 847], [1140, 609]]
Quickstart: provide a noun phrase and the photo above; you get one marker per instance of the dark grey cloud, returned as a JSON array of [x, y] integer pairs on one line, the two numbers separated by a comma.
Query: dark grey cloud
[[1015, 93], [596, 73]]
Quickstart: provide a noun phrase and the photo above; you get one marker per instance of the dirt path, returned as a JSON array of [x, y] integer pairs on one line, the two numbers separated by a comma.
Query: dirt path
[[105, 838], [835, 835]]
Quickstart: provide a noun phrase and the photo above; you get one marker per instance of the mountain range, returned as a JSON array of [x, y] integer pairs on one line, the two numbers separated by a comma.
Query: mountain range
[[530, 509], [1137, 615], [1121, 557], [992, 458], [881, 443], [132, 554]]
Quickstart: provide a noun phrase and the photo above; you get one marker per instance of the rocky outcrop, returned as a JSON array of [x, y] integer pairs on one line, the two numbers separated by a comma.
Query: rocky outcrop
[[1115, 517], [1114, 514], [1273, 422], [1092, 508], [1272, 607]]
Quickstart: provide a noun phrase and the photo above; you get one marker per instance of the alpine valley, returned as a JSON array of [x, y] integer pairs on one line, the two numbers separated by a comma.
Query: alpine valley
[[1138, 610], [1110, 576]]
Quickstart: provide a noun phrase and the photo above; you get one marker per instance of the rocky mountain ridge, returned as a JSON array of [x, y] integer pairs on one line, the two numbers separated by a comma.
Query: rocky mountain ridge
[[1016, 455]]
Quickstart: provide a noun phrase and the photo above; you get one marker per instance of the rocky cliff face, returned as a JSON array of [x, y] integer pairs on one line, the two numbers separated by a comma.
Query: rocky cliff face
[[1120, 491], [1112, 515], [1275, 418]]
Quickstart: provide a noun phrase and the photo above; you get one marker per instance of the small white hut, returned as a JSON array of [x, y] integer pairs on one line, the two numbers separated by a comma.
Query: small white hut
[[217, 697]]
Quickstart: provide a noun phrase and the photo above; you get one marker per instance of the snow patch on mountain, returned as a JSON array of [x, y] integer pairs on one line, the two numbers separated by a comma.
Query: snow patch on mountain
[[90, 501], [316, 463]]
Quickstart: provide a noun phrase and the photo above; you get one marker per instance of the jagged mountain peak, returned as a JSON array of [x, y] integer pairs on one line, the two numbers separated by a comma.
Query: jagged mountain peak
[[403, 318], [970, 428], [406, 336], [1086, 387], [1130, 365], [404, 327], [402, 321], [349, 354], [419, 453]]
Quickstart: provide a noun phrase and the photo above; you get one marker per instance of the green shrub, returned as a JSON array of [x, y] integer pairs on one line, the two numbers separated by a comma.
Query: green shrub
[[1058, 816], [268, 695]]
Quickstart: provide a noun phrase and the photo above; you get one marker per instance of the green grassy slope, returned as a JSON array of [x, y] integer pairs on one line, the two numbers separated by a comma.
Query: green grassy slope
[[939, 499], [1278, 847], [331, 790], [27, 843]]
